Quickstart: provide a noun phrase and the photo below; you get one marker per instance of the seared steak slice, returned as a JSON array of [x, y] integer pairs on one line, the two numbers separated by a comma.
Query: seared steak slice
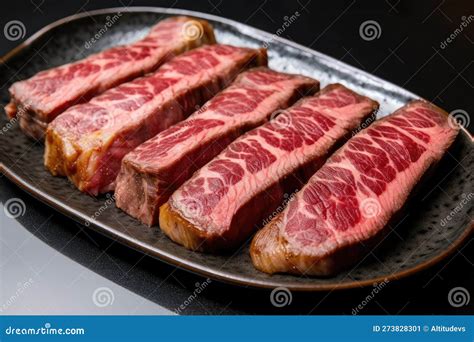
[[348, 202]]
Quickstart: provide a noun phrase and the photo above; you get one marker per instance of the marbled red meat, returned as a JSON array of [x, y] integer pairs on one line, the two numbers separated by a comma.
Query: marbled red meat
[[41, 98], [88, 141], [228, 198], [150, 173], [348, 202]]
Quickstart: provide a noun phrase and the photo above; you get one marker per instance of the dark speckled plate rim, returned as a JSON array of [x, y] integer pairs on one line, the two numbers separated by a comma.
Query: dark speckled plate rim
[[197, 267]]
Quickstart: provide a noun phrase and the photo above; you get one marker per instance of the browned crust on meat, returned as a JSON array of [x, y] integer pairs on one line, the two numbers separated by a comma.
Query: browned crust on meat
[[269, 254], [61, 158], [332, 86], [183, 232], [261, 58], [208, 36], [54, 156], [267, 251], [11, 108]]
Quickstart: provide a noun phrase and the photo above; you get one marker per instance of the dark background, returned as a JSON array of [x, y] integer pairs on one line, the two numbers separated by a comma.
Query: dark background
[[408, 53]]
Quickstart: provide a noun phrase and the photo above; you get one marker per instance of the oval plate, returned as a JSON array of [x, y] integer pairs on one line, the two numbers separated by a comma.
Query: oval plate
[[423, 237]]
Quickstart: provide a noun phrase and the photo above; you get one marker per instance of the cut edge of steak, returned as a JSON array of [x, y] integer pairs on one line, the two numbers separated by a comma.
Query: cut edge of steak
[[309, 253], [180, 224], [36, 110], [88, 141], [155, 169]]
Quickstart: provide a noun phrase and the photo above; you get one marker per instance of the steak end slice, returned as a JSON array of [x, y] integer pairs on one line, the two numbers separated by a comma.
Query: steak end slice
[[38, 100], [88, 141], [234, 194], [155, 169], [346, 205]]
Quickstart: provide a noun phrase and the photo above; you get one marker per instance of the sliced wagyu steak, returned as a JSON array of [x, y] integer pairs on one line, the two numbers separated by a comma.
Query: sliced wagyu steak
[[88, 141], [222, 204], [41, 98], [155, 169], [349, 201]]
